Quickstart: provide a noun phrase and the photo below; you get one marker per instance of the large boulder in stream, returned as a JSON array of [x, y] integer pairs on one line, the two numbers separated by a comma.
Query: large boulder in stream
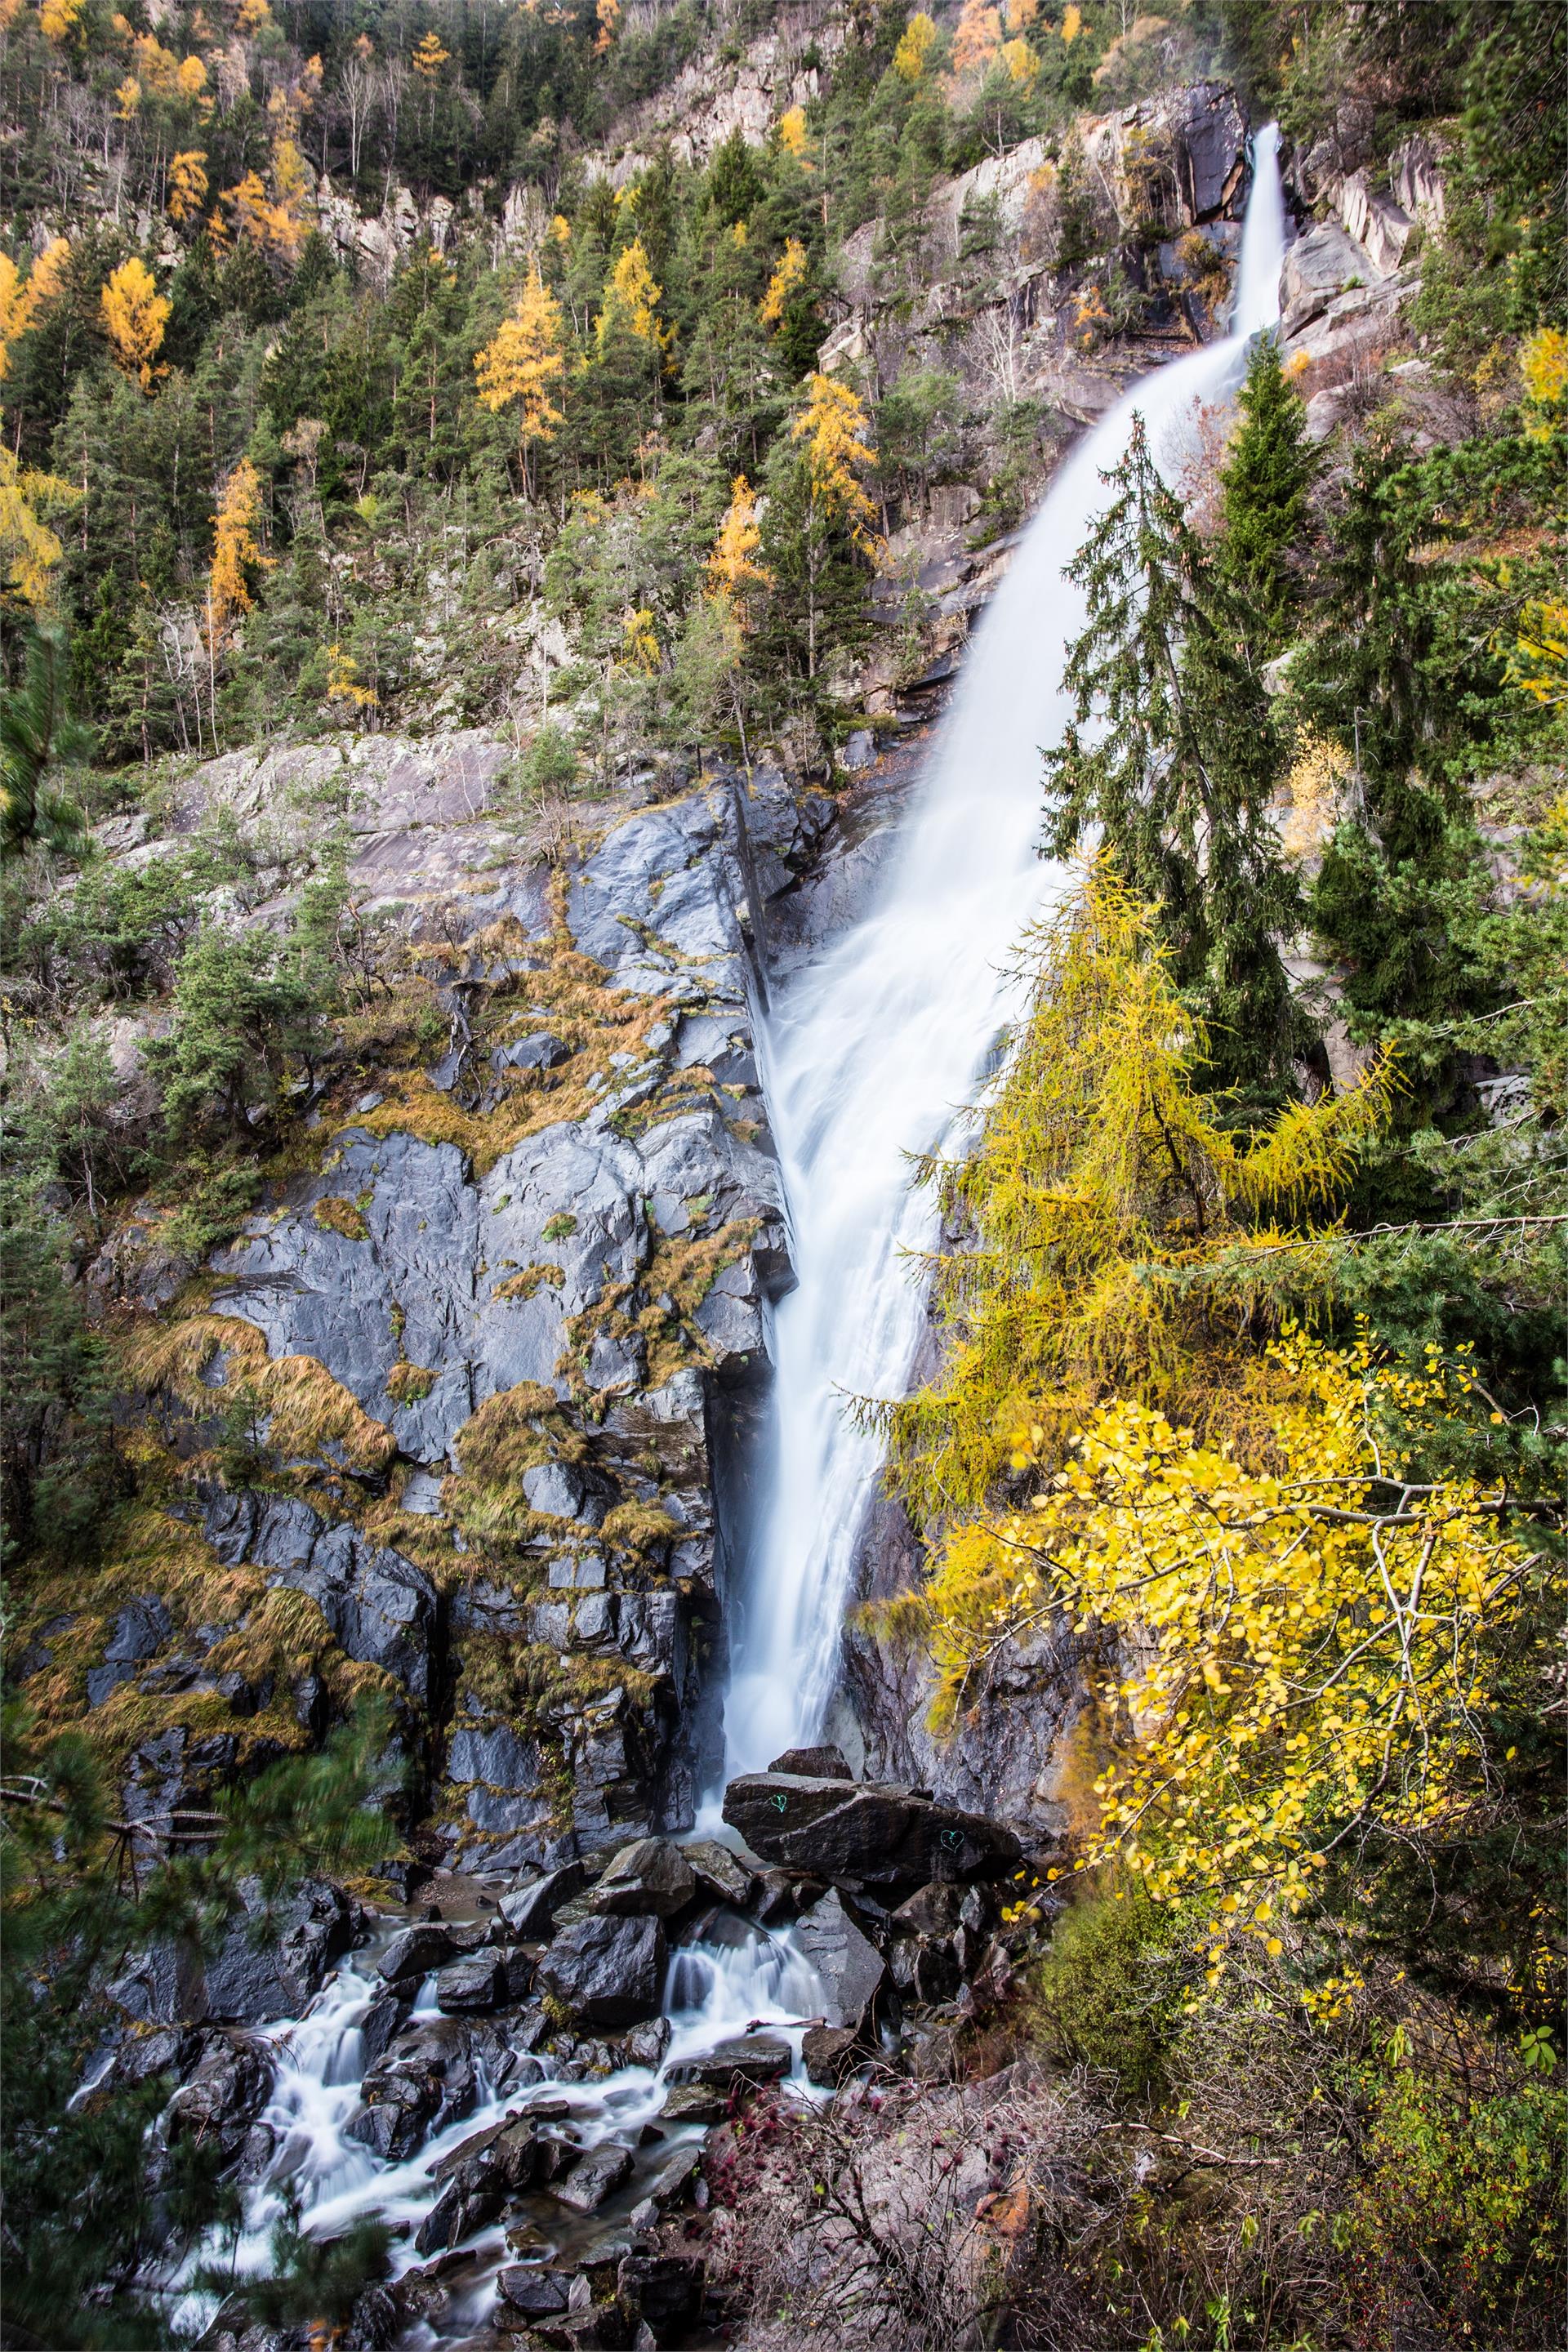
[[609, 1971], [653, 1876], [852, 1970], [865, 1832]]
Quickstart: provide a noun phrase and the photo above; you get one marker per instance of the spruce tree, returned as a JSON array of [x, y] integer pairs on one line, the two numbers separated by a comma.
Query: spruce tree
[[1263, 484], [1171, 754]]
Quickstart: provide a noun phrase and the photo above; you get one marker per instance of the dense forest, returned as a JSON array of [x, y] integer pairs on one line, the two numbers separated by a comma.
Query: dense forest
[[639, 402]]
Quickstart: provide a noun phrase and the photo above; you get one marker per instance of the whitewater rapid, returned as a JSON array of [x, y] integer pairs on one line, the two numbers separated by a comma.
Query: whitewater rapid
[[872, 1056]]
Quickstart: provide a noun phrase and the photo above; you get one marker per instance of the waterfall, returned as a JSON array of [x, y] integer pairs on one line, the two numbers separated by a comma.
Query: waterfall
[[872, 1055]]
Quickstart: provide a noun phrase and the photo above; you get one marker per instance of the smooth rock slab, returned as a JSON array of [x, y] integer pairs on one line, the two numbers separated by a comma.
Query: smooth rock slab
[[720, 1872], [601, 2172], [878, 1835], [852, 1970], [608, 1972], [652, 1876], [751, 2058]]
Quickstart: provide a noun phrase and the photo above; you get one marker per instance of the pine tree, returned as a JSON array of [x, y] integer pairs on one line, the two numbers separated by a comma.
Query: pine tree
[[38, 735], [1264, 483], [1177, 769]]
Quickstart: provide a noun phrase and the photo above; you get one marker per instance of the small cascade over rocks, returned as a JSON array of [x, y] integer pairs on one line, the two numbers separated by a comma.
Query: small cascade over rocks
[[523, 2088]]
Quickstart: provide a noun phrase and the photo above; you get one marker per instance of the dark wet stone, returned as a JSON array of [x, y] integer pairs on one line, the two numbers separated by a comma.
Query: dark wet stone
[[608, 1972], [651, 1876], [537, 2293], [386, 2017], [828, 2052], [694, 2103], [416, 1951], [664, 2291], [814, 1764], [875, 1834], [751, 2058], [222, 2099], [851, 1968], [596, 2177], [720, 1872]]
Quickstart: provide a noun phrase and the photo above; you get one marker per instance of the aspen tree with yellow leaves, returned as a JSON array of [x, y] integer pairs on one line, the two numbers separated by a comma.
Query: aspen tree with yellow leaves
[[525, 362], [134, 317]]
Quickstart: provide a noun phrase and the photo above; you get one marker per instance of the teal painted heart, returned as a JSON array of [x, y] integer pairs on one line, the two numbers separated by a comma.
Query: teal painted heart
[[952, 1840], [779, 1804]]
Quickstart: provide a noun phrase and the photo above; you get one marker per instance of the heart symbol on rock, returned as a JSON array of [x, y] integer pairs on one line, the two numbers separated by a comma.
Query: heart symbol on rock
[[952, 1840], [780, 1804]]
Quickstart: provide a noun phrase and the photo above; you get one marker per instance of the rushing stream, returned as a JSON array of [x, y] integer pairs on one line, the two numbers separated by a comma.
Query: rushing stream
[[870, 1056], [874, 1052]]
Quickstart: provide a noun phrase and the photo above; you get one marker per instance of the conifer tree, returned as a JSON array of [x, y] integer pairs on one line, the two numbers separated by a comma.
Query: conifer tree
[[1263, 484], [1171, 753], [526, 362]]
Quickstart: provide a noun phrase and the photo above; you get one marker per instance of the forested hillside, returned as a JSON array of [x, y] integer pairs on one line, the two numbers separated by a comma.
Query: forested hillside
[[495, 499]]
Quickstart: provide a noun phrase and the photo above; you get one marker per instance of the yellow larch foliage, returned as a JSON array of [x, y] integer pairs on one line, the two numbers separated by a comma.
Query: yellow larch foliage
[[1538, 660], [234, 548], [732, 564], [526, 361], [187, 184], [1315, 786], [607, 16], [789, 274], [1023, 66], [430, 57], [22, 299], [29, 549], [127, 98], [832, 426], [560, 230], [253, 15], [1072, 24], [157, 68], [134, 316], [977, 38], [288, 231], [793, 137], [631, 300], [638, 634], [1021, 14], [57, 20], [1308, 1642], [343, 682], [915, 44], [1124, 1238], [1543, 364], [192, 76]]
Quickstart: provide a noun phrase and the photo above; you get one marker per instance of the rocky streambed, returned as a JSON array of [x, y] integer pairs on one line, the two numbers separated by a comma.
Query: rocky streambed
[[534, 2079]]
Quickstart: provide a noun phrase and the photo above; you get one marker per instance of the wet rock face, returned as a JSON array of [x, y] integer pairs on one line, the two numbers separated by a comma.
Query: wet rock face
[[617, 1265], [877, 1835]]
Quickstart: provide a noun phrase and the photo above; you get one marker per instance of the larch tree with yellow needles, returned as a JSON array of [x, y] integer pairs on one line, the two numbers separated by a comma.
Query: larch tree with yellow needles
[[134, 317], [525, 362], [820, 533]]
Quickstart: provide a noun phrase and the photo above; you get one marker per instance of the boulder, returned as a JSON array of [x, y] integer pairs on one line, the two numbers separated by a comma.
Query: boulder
[[465, 2204], [674, 2181], [537, 2294], [416, 1951], [651, 1876], [530, 1910], [427, 2079], [828, 2052], [608, 1972], [140, 1628], [478, 1983], [751, 2059], [874, 1833], [1318, 267], [662, 2293], [851, 1968], [223, 2098], [269, 1967], [694, 2103], [600, 2173], [720, 1872], [814, 1763]]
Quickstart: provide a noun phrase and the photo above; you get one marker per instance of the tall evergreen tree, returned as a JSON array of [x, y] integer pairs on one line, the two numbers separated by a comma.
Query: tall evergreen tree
[[1263, 484], [1171, 753]]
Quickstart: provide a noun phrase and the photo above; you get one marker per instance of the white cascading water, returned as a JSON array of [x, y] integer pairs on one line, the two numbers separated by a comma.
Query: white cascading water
[[873, 1054]]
